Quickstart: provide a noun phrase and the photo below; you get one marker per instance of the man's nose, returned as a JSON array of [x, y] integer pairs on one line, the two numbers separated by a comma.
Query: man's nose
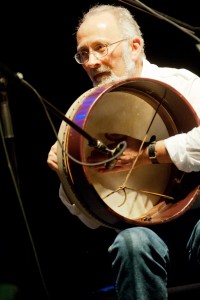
[[93, 60]]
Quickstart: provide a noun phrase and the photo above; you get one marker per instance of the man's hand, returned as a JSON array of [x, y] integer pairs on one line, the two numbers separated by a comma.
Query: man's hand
[[125, 161], [52, 159]]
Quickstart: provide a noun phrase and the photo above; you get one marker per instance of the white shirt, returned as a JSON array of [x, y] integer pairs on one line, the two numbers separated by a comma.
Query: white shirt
[[184, 149]]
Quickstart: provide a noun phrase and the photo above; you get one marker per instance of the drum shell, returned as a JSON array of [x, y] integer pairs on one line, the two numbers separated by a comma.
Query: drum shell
[[127, 107]]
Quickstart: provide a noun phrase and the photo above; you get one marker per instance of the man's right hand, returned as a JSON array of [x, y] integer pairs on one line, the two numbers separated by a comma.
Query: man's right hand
[[125, 161]]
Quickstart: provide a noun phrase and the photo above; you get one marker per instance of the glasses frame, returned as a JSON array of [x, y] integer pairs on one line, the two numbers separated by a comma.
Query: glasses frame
[[93, 52]]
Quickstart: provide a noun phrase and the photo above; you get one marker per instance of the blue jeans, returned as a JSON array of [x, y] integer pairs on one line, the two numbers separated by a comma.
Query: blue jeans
[[140, 261]]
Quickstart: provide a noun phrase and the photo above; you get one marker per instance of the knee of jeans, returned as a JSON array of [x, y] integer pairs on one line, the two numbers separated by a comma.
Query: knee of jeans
[[193, 246], [139, 238]]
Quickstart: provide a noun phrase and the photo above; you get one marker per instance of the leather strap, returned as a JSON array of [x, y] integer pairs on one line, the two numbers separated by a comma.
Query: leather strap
[[151, 149]]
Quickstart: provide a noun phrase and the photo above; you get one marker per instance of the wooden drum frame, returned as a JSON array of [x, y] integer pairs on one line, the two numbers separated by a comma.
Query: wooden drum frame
[[127, 107]]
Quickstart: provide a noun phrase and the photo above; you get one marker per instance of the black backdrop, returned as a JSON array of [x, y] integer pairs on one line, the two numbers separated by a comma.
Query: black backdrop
[[37, 39]]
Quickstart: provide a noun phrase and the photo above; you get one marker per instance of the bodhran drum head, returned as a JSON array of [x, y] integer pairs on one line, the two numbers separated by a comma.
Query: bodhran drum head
[[152, 194]]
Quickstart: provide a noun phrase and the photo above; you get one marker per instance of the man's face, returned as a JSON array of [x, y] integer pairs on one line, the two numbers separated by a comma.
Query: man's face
[[118, 64]]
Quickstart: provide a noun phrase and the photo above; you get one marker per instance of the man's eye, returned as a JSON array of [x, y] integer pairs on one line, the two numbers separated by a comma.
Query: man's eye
[[84, 53], [100, 48]]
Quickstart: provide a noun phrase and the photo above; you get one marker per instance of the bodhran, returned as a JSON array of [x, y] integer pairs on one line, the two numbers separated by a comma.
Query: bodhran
[[152, 194]]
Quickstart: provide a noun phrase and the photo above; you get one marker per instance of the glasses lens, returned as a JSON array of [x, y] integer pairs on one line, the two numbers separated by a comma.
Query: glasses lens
[[81, 57]]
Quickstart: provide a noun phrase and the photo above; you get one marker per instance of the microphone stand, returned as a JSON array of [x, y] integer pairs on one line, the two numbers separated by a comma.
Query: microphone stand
[[7, 134], [188, 29], [7, 131]]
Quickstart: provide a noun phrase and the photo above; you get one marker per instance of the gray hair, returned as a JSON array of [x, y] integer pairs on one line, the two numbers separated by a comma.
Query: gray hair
[[126, 22]]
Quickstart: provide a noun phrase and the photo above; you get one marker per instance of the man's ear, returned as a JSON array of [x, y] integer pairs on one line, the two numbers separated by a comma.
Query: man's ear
[[136, 45]]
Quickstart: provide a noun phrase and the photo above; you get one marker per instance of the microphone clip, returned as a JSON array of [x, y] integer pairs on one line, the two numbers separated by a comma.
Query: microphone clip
[[112, 153]]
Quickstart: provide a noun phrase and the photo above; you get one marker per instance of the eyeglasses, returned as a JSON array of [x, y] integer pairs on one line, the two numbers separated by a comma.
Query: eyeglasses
[[99, 52]]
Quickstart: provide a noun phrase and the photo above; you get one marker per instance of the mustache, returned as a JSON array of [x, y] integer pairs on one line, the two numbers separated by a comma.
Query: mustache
[[99, 70]]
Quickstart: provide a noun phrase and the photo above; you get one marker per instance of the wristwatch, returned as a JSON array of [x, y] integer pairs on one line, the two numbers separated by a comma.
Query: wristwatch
[[151, 150]]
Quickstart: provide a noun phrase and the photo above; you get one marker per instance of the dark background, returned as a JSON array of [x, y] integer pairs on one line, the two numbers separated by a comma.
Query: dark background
[[37, 39]]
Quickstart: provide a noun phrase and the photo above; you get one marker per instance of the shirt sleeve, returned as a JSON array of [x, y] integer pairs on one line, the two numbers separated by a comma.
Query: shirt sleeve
[[74, 210], [184, 150]]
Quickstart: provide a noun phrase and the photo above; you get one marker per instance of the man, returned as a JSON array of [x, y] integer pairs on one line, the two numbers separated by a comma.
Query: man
[[110, 48]]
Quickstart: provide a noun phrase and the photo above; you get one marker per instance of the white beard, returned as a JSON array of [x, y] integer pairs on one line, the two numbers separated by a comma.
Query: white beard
[[129, 66]]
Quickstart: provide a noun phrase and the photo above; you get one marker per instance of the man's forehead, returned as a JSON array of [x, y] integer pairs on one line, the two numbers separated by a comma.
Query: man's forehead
[[101, 21], [103, 25]]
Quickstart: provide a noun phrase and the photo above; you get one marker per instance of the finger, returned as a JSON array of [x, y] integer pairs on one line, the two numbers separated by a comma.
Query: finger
[[53, 165]]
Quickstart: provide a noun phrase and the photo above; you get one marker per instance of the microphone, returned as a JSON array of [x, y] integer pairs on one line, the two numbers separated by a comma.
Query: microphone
[[7, 128], [112, 153], [115, 154], [5, 110]]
